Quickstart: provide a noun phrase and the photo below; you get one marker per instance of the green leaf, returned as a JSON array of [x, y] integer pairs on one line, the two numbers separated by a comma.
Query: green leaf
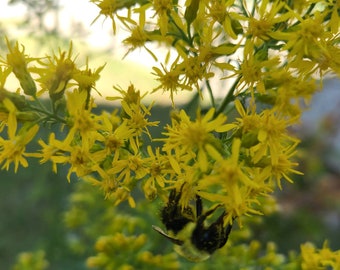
[[191, 11]]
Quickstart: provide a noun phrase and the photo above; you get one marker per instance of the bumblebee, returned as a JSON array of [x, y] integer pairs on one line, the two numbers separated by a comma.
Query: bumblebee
[[192, 239]]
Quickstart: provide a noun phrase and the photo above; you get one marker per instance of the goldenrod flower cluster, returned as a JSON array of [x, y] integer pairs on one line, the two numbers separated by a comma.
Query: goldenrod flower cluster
[[31, 260], [270, 57], [324, 258]]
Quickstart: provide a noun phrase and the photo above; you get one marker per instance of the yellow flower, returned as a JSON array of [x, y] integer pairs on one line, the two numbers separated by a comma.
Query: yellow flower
[[264, 134], [86, 79], [81, 119], [128, 168], [137, 39], [12, 150], [267, 142], [285, 92], [272, 134], [56, 73], [208, 53], [162, 9], [18, 61], [138, 36], [267, 16], [130, 96], [326, 58], [196, 138], [136, 118], [166, 261], [234, 186], [49, 151], [113, 189], [170, 79], [313, 258], [84, 154], [307, 38], [253, 70], [81, 161], [114, 137], [283, 166], [220, 11], [31, 260], [334, 22], [4, 73], [194, 71], [109, 8], [106, 182], [116, 183], [157, 165]]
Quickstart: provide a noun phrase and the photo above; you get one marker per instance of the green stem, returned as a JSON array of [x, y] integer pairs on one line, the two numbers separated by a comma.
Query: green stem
[[182, 35], [229, 97], [41, 109], [41, 106], [210, 93], [308, 12]]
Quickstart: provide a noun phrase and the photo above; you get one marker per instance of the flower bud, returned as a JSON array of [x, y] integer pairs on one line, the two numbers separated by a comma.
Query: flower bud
[[17, 60], [18, 100]]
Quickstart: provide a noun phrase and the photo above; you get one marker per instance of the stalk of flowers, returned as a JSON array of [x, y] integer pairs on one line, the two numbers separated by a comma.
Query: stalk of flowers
[[253, 44], [271, 57], [247, 44]]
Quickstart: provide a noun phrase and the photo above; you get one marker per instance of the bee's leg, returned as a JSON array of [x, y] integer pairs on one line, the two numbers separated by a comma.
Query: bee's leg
[[173, 216], [175, 196], [226, 235], [223, 232], [172, 239], [202, 217], [199, 206]]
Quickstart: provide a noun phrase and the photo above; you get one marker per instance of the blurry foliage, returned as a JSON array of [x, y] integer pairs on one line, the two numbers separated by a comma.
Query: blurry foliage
[[37, 10], [42, 21], [31, 260]]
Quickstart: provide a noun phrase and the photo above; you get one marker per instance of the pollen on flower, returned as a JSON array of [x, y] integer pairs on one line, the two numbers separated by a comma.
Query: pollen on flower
[[263, 23], [56, 72], [217, 10], [162, 6], [87, 78], [170, 80], [137, 38], [13, 150], [108, 8], [113, 143], [259, 28], [284, 167]]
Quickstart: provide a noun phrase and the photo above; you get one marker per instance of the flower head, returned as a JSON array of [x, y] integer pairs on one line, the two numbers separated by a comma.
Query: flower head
[[56, 73], [108, 8], [195, 139], [13, 149], [86, 79], [17, 60], [170, 79]]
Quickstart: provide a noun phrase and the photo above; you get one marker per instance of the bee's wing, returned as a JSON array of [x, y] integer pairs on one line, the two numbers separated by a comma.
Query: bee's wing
[[173, 240]]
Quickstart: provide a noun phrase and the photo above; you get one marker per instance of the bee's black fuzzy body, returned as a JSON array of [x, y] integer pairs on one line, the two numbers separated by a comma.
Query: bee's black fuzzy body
[[187, 231]]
